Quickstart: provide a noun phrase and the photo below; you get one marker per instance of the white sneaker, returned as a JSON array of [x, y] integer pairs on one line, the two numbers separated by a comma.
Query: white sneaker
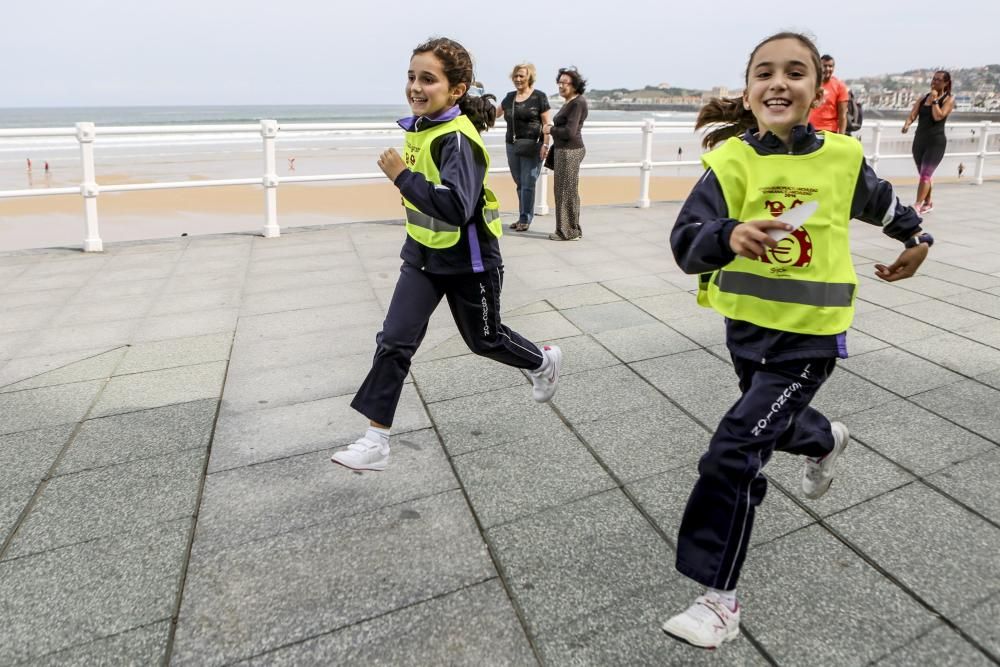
[[544, 382], [818, 473], [363, 454], [706, 624]]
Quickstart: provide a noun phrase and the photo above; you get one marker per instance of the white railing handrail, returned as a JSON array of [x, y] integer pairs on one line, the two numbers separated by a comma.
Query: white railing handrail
[[270, 130]]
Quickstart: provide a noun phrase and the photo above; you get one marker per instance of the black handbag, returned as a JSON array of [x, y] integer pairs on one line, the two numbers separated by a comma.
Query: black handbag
[[522, 147], [550, 159]]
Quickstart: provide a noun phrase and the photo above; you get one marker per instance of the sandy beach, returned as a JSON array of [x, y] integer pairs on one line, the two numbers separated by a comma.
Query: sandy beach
[[58, 220]]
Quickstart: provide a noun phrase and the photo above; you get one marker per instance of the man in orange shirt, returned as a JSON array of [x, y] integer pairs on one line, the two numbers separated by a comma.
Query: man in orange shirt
[[831, 113]]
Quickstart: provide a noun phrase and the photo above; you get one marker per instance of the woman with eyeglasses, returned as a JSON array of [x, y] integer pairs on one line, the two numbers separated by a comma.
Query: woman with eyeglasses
[[568, 153], [526, 111]]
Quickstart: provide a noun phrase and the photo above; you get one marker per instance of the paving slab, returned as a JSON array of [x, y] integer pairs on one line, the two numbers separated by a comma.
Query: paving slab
[[263, 435], [85, 592], [174, 352], [645, 341], [241, 602], [916, 439], [518, 479], [152, 389], [807, 595], [941, 646], [47, 406], [957, 353], [899, 371], [980, 622], [126, 498], [950, 562], [253, 389], [700, 383], [241, 505], [89, 367], [465, 428], [963, 403], [603, 393], [579, 558], [137, 435], [443, 379], [973, 482], [472, 626], [145, 645]]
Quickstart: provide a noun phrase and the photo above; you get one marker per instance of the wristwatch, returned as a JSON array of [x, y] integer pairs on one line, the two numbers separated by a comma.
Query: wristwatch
[[922, 237]]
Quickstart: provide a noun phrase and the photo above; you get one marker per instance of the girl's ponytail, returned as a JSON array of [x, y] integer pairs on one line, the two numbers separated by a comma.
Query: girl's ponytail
[[729, 113], [479, 107]]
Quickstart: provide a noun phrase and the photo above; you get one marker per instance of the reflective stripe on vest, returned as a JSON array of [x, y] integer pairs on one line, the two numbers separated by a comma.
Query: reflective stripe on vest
[[806, 292], [806, 284], [415, 217]]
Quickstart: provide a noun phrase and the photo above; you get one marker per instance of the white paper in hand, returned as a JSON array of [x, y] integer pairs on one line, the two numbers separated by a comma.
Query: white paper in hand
[[796, 217]]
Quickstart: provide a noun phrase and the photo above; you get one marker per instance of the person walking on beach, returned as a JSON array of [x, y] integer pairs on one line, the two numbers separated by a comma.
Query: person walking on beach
[[526, 110], [788, 298], [568, 151], [46, 166], [29, 164], [930, 142], [451, 248], [831, 113]]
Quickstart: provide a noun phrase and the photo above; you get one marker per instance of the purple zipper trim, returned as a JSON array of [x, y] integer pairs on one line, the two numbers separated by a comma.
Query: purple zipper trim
[[477, 257], [842, 345]]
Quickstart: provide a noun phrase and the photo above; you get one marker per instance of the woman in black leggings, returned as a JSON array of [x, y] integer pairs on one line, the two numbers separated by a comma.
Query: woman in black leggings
[[930, 142]]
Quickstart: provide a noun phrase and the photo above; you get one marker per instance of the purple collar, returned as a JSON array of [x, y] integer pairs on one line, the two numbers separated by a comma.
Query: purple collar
[[410, 123]]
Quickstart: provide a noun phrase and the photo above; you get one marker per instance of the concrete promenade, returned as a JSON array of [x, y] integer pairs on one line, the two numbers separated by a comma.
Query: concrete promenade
[[168, 409]]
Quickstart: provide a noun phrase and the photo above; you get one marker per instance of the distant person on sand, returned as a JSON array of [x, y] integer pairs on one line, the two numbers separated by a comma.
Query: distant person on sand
[[291, 164], [452, 245], [929, 143], [831, 113], [526, 111], [29, 164], [680, 152], [46, 166], [787, 296], [568, 151], [961, 169]]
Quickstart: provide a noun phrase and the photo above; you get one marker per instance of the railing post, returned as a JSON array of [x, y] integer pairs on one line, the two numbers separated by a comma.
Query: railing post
[[542, 192], [981, 158], [876, 144], [647, 163], [85, 134], [269, 131]]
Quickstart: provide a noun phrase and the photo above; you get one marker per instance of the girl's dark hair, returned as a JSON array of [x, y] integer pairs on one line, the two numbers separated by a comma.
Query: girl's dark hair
[[947, 80], [730, 114], [457, 65], [579, 83]]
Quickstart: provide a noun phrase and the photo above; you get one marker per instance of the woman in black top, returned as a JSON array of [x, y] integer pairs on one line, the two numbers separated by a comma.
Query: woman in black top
[[930, 141], [567, 143], [526, 111]]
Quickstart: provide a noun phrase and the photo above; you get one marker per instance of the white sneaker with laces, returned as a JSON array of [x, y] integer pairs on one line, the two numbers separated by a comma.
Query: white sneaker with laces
[[363, 454], [706, 624], [818, 473], [544, 381]]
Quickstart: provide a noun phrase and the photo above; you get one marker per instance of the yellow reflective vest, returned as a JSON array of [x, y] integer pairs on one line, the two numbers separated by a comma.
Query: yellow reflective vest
[[807, 283], [428, 230]]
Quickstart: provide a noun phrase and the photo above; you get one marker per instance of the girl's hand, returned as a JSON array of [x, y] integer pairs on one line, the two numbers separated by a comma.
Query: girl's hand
[[750, 239], [391, 164], [906, 126], [905, 265]]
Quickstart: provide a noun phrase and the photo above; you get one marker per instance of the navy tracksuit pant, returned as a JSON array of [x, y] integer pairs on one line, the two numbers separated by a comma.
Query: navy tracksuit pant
[[474, 299], [772, 414]]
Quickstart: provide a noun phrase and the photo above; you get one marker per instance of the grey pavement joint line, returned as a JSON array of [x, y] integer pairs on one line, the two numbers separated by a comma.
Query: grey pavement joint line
[[369, 619], [58, 368], [871, 562], [182, 582], [497, 565], [50, 473]]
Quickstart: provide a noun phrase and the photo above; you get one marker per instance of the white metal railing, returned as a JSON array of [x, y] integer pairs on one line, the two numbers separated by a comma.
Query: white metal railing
[[86, 134]]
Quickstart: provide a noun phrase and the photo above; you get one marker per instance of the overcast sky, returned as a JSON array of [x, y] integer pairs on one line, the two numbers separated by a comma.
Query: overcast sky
[[152, 52]]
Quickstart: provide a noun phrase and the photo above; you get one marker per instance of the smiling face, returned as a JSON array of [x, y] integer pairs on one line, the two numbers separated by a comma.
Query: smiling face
[[782, 86], [566, 89], [427, 89], [520, 79]]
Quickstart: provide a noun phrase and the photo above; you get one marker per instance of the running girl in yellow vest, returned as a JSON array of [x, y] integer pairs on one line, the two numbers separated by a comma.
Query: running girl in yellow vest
[[788, 298], [451, 248]]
